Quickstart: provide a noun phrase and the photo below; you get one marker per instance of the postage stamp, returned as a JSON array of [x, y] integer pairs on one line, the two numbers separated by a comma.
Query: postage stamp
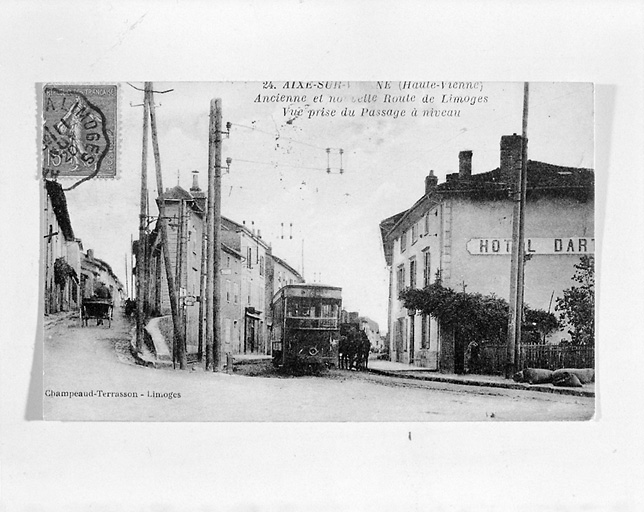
[[79, 131]]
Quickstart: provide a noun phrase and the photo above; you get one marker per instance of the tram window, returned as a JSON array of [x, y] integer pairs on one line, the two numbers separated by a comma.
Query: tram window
[[293, 308], [308, 310]]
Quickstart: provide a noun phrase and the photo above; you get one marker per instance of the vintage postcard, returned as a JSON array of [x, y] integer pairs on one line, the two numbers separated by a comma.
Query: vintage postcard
[[253, 251]]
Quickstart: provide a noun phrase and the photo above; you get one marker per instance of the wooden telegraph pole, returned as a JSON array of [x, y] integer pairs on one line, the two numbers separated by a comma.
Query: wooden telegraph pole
[[518, 248], [202, 284], [140, 253], [163, 232], [214, 359]]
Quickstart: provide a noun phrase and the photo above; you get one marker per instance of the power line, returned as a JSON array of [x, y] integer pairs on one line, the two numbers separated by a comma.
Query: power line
[[277, 165], [279, 136]]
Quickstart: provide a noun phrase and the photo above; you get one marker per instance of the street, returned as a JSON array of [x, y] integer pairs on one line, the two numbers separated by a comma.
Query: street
[[93, 365]]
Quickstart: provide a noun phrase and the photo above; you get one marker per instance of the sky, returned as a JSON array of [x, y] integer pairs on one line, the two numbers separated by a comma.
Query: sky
[[278, 173]]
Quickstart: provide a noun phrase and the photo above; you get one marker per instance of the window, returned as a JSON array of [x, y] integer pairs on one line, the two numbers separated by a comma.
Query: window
[[249, 257], [412, 273], [427, 268], [194, 242], [401, 277], [227, 290], [414, 233], [249, 293], [427, 224], [424, 342], [227, 331], [261, 265], [403, 241], [236, 293]]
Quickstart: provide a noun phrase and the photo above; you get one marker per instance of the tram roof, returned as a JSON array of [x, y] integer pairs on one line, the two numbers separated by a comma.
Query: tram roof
[[317, 290]]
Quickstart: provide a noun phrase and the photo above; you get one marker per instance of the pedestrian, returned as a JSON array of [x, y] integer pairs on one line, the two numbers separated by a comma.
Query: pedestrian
[[474, 357]]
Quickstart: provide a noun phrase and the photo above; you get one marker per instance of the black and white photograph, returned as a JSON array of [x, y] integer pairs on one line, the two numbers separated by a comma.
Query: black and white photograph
[[301, 255], [363, 247]]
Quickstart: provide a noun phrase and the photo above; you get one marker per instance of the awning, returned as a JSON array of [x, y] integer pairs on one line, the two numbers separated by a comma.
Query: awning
[[253, 313]]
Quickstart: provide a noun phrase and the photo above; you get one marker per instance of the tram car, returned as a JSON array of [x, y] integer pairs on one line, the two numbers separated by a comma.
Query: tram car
[[306, 325]]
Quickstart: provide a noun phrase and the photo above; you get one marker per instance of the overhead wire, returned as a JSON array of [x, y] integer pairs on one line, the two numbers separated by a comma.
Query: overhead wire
[[279, 136]]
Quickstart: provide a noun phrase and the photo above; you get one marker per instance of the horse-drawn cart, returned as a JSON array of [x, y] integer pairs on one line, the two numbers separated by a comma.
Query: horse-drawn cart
[[100, 309]]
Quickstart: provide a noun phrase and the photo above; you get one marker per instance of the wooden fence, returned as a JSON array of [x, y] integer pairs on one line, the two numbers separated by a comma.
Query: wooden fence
[[551, 357]]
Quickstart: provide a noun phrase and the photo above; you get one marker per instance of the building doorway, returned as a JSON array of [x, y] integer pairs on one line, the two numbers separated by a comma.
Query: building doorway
[[412, 338], [400, 329], [249, 341]]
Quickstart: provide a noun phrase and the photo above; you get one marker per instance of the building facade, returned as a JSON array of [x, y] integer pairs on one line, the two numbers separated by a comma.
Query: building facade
[[461, 230], [61, 253], [246, 278], [252, 283]]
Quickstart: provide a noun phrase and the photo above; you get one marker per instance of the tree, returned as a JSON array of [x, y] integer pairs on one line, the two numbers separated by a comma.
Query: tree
[[474, 317], [577, 306]]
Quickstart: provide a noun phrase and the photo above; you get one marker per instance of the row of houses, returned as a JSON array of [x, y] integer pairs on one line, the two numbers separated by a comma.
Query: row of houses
[[250, 274], [461, 230], [70, 274]]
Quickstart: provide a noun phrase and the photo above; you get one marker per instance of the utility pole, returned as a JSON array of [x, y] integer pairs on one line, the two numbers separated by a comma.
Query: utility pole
[[127, 290], [163, 232], [214, 360], [179, 262], [140, 253], [216, 234], [202, 283], [518, 248]]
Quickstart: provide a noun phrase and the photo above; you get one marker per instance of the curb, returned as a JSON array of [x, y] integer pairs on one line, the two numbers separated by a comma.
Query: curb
[[237, 362], [480, 383]]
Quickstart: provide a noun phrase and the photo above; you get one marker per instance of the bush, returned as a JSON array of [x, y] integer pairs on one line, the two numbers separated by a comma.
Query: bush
[[474, 317]]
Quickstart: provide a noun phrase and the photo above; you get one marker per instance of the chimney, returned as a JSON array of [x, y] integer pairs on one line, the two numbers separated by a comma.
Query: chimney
[[430, 182], [195, 190], [195, 182], [465, 165], [511, 158], [90, 254]]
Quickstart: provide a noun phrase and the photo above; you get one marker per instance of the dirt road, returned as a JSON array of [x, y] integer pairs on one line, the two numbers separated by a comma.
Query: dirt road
[[92, 365]]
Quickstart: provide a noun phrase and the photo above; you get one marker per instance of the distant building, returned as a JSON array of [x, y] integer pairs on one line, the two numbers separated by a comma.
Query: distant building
[[372, 331], [370, 327], [462, 231], [96, 273], [283, 274], [61, 253]]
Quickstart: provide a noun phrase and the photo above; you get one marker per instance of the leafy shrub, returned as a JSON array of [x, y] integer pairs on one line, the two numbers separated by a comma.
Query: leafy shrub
[[474, 317], [577, 306]]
